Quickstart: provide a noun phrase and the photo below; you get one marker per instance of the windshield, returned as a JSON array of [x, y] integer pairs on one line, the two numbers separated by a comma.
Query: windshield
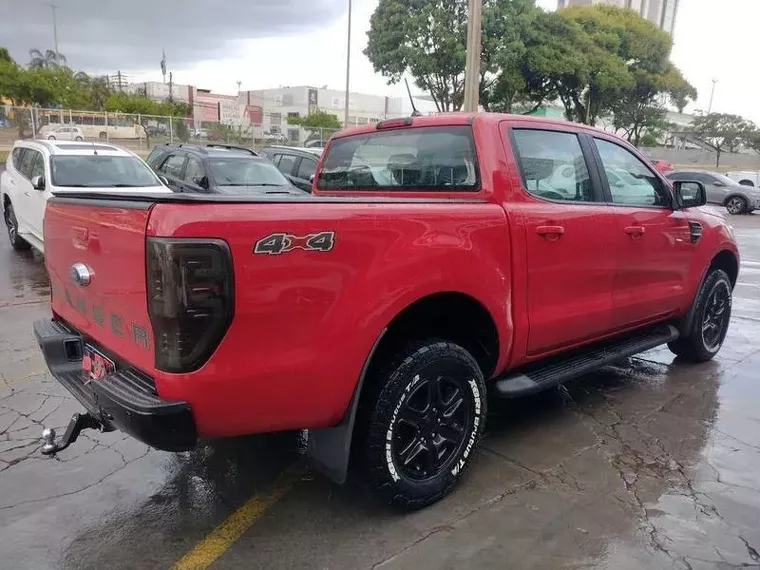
[[246, 172], [97, 171]]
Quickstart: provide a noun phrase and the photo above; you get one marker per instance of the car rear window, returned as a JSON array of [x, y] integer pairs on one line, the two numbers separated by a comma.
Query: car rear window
[[424, 158]]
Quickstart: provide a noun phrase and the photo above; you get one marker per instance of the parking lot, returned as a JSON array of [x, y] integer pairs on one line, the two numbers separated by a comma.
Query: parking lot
[[647, 464]]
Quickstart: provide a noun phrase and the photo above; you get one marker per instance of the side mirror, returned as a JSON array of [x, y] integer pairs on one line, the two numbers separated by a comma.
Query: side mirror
[[690, 194], [311, 178], [38, 182], [163, 179]]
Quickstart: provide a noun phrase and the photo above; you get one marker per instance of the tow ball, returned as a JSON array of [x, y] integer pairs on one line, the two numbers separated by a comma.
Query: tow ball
[[77, 423]]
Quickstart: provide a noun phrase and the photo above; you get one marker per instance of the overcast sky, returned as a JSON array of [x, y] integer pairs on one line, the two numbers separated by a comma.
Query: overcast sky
[[267, 43]]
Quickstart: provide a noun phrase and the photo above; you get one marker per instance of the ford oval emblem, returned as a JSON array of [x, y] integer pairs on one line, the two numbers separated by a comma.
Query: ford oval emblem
[[81, 274]]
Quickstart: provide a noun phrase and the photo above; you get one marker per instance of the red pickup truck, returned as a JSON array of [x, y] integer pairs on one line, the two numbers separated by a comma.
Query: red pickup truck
[[439, 260]]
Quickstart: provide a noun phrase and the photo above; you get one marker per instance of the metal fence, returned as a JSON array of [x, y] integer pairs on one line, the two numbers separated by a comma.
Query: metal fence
[[141, 132]]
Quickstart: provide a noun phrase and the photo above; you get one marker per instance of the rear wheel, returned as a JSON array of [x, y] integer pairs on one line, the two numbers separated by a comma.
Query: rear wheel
[[423, 423], [51, 138], [79, 139], [736, 205], [711, 318], [17, 242]]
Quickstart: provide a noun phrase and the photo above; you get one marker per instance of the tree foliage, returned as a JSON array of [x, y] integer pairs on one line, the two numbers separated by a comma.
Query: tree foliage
[[597, 60], [318, 119], [47, 59], [725, 132]]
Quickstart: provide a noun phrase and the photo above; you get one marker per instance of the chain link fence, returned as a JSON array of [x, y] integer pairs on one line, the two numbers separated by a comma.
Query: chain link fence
[[141, 132]]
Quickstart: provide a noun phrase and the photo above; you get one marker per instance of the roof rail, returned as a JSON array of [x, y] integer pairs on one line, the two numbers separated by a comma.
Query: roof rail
[[232, 147]]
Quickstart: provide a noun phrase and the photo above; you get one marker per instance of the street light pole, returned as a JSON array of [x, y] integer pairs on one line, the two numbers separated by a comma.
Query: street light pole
[[348, 65], [472, 63], [55, 33], [712, 94]]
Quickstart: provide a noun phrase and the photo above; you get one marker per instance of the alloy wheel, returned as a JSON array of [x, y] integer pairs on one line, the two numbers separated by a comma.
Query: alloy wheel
[[431, 426], [716, 316], [735, 206]]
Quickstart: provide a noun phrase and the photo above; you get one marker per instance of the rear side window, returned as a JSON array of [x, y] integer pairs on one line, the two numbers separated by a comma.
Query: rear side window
[[425, 158], [155, 157], [306, 168], [552, 165]]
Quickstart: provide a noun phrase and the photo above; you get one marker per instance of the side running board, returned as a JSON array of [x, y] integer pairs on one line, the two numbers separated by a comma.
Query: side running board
[[542, 375]]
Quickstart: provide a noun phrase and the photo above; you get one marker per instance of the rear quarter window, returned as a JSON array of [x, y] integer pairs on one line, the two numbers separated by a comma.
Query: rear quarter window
[[438, 159]]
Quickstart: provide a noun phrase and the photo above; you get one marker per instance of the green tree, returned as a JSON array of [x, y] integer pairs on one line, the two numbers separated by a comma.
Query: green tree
[[315, 123], [722, 131], [47, 59]]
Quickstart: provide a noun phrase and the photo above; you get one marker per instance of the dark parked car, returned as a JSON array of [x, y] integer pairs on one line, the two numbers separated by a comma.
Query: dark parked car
[[217, 169], [299, 164], [721, 190]]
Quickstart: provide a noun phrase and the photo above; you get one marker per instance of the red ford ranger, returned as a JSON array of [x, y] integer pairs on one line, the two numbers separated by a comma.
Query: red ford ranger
[[439, 260]]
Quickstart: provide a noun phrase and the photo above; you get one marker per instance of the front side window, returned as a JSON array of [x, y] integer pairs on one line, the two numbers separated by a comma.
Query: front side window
[[434, 159], [194, 172], [27, 161], [286, 163], [98, 171], [552, 165], [631, 182], [306, 168], [18, 156], [173, 165]]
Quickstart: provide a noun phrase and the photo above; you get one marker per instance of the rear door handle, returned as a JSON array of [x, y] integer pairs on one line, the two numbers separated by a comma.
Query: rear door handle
[[554, 231], [635, 231]]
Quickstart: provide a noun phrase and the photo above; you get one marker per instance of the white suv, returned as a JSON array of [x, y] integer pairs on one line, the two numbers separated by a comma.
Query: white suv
[[37, 169], [61, 133]]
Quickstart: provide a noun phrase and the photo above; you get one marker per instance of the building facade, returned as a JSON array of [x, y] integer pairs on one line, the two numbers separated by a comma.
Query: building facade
[[270, 108], [661, 13]]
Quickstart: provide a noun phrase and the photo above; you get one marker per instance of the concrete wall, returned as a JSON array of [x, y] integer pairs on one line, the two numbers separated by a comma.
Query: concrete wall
[[705, 159]]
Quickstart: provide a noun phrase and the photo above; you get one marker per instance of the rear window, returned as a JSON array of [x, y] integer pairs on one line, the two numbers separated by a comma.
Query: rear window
[[424, 158]]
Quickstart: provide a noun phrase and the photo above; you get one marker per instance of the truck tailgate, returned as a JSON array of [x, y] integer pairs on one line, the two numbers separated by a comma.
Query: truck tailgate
[[106, 239]]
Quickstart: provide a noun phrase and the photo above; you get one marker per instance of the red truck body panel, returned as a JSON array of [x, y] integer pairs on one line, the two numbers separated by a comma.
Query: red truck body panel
[[305, 322]]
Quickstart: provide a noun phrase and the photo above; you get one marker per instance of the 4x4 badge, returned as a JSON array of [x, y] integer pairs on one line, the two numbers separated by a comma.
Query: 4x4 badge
[[276, 244]]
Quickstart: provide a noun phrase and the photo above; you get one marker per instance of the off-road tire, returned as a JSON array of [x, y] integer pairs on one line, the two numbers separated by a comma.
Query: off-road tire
[[694, 346], [17, 242], [431, 370]]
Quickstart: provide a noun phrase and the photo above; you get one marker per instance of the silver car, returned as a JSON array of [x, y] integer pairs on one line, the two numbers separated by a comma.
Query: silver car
[[721, 190]]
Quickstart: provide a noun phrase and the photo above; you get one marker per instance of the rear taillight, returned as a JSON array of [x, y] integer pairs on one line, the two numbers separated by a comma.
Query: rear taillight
[[190, 299]]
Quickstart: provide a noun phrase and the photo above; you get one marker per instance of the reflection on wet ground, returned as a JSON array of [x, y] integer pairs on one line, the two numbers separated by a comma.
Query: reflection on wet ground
[[648, 464]]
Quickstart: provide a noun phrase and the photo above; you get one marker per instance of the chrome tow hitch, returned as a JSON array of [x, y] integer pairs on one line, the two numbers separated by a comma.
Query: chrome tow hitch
[[77, 423]]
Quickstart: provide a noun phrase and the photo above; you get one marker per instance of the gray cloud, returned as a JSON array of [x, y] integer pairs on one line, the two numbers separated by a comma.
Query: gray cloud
[[110, 35]]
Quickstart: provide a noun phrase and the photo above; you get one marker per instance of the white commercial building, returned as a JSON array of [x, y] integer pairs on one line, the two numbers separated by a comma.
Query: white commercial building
[[270, 108], [662, 13]]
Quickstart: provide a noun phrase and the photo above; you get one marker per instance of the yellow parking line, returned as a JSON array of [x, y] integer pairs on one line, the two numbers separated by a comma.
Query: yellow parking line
[[224, 535]]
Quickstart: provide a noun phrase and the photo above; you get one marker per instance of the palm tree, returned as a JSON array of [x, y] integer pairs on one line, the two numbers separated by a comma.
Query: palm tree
[[47, 59]]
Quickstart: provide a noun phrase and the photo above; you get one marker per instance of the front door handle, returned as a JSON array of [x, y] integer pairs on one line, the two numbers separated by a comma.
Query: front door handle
[[635, 231], [550, 231]]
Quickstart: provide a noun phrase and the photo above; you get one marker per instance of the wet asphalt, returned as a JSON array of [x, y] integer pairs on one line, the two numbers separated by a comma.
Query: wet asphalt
[[645, 465]]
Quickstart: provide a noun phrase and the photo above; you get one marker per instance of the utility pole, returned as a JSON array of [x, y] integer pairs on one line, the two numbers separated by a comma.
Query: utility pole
[[348, 65], [53, 7], [712, 94], [239, 83], [472, 64], [171, 85]]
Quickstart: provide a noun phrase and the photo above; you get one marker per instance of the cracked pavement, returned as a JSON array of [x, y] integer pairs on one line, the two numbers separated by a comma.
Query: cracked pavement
[[647, 464]]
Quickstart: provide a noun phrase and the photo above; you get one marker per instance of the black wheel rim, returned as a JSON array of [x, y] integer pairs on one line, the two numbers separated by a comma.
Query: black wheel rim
[[716, 316], [10, 222], [431, 426]]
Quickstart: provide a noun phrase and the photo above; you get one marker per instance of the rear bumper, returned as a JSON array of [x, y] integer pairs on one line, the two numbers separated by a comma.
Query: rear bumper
[[126, 399]]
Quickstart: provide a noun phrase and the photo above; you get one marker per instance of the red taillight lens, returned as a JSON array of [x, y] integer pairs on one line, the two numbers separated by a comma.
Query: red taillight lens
[[190, 299]]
